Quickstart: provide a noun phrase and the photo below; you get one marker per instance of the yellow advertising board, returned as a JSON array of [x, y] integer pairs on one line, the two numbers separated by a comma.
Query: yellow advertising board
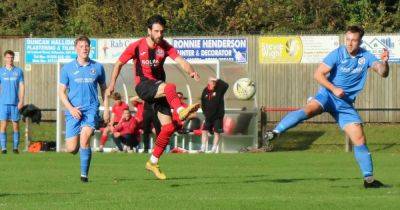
[[287, 49]]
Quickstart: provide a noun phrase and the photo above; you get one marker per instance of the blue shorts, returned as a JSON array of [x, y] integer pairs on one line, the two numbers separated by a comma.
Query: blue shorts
[[343, 111], [9, 112], [73, 126]]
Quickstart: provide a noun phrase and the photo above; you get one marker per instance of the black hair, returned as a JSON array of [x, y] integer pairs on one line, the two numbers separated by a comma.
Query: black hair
[[156, 19]]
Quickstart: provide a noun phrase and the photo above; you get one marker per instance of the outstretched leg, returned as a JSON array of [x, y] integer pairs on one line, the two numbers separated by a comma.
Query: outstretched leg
[[292, 119]]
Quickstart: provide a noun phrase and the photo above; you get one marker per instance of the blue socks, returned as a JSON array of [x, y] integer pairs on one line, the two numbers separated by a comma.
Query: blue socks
[[291, 120], [15, 140], [85, 156], [3, 141], [363, 157]]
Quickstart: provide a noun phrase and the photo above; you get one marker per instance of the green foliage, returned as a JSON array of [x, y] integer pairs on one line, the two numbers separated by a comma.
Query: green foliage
[[124, 18]]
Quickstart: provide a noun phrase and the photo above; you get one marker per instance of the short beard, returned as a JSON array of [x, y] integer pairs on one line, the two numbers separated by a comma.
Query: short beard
[[154, 40]]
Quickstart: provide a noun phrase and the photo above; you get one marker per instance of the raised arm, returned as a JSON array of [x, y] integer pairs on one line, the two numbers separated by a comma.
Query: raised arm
[[222, 86], [382, 68]]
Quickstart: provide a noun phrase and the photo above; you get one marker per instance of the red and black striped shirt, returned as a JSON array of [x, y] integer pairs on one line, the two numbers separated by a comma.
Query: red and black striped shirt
[[148, 61]]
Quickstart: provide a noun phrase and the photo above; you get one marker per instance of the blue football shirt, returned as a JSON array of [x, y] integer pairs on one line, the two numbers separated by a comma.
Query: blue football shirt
[[348, 72], [9, 85], [81, 83]]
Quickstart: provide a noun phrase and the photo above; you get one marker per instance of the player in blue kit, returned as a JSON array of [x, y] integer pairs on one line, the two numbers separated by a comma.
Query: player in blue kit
[[342, 75], [12, 91], [78, 93]]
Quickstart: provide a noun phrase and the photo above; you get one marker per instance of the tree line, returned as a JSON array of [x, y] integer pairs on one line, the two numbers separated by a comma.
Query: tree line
[[126, 18]]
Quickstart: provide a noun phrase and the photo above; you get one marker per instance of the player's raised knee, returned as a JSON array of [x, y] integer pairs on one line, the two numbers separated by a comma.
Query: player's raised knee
[[170, 87], [312, 108], [169, 128]]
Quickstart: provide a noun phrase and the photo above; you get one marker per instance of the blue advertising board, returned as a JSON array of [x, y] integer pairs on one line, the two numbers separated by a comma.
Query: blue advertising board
[[51, 50], [233, 49]]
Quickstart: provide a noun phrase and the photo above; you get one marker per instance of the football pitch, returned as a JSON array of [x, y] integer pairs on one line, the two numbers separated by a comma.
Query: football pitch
[[310, 177]]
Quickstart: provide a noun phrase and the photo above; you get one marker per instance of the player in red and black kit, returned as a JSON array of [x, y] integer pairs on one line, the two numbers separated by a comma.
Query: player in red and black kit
[[148, 55]]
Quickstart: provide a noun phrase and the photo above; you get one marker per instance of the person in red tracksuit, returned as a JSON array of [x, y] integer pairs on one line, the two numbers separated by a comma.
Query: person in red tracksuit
[[117, 110], [148, 55], [139, 106], [124, 132]]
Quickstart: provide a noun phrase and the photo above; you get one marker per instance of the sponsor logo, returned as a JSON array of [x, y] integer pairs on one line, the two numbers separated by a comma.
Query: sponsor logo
[[84, 80], [153, 62], [93, 71], [160, 52], [361, 61]]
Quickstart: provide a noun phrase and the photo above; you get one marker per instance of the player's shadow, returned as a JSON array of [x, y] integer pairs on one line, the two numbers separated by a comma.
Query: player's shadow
[[296, 140], [283, 181], [38, 194], [250, 179], [382, 147]]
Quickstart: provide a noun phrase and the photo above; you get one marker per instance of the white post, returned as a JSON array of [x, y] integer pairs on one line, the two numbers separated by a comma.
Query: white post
[[95, 144], [348, 144], [218, 73], [176, 141], [59, 112], [27, 133], [190, 143], [206, 144]]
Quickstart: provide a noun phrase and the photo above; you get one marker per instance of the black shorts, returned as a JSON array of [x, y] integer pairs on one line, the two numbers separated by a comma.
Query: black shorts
[[213, 125], [147, 90]]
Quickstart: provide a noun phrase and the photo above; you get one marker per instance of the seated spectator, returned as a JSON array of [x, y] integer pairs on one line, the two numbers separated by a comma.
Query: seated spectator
[[124, 132], [117, 110]]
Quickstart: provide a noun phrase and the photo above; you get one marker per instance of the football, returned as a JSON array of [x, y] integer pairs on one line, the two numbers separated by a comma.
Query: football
[[244, 89]]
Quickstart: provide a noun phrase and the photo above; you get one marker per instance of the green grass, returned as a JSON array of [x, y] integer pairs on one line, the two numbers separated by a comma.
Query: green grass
[[312, 137], [309, 171], [329, 138], [281, 180]]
